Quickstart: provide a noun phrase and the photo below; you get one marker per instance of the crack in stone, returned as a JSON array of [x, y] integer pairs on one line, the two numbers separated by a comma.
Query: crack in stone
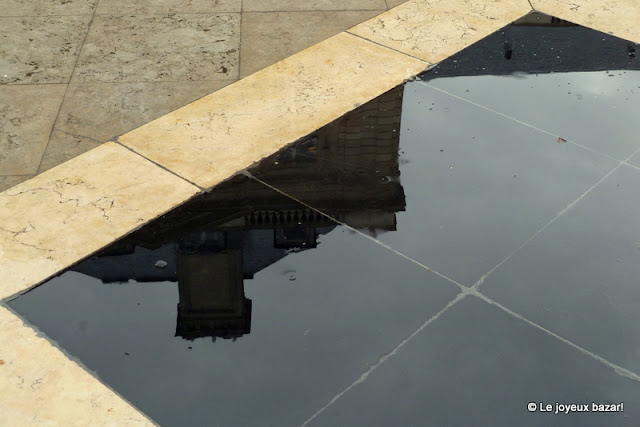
[[79, 136], [26, 229], [60, 184]]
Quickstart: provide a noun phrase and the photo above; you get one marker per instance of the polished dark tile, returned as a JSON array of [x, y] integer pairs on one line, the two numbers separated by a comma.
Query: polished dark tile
[[579, 278], [244, 307], [316, 319], [576, 83], [477, 365], [476, 185], [635, 160]]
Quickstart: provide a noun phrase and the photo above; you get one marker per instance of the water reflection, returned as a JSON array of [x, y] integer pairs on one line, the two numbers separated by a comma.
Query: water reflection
[[458, 189], [210, 245], [539, 43]]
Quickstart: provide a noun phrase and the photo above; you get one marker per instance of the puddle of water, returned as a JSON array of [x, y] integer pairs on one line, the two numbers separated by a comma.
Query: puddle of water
[[247, 307]]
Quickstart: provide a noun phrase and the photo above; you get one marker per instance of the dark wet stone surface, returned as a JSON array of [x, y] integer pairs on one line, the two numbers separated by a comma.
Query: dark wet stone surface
[[579, 277], [486, 374], [476, 185], [564, 81], [508, 169], [318, 319]]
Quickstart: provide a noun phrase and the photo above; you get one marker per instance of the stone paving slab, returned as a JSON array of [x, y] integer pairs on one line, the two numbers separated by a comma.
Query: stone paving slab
[[106, 170], [40, 49], [270, 37], [138, 7], [177, 42], [40, 385], [617, 17], [148, 48], [209, 140], [26, 125], [433, 30], [67, 213], [104, 111], [46, 7], [298, 5]]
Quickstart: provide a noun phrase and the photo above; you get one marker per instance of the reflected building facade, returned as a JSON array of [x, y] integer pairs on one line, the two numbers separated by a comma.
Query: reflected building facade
[[210, 245]]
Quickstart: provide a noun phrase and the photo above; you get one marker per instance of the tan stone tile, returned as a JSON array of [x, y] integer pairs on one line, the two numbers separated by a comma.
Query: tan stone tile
[[160, 48], [40, 385], [292, 5], [73, 210], [40, 49], [209, 140], [123, 7], [25, 125], [435, 29], [102, 111], [269, 37], [617, 17], [46, 7], [394, 3], [62, 147], [8, 181]]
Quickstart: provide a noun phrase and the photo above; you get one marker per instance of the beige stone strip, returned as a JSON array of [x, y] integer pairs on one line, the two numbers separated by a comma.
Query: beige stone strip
[[617, 17], [436, 29], [210, 139], [40, 385], [66, 213]]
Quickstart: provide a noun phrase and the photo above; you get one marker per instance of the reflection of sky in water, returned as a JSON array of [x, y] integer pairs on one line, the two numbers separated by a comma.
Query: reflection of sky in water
[[473, 185], [339, 308], [596, 109]]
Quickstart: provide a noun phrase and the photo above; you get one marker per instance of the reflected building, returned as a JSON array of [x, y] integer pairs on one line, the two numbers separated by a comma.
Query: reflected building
[[523, 48], [211, 244]]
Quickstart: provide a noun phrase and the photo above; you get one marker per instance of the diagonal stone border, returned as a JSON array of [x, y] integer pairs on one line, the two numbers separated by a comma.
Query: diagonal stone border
[[69, 212]]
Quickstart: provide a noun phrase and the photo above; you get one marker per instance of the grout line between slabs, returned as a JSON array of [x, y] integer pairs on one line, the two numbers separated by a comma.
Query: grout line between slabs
[[567, 208], [469, 291], [64, 97], [376, 241], [481, 280], [617, 369], [584, 147], [464, 290], [387, 356], [391, 48], [161, 167], [515, 120]]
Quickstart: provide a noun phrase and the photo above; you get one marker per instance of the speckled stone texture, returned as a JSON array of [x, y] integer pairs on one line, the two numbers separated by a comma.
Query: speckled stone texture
[[40, 49], [8, 181], [211, 139], [46, 7], [125, 7], [155, 48], [140, 59], [271, 37], [40, 385], [71, 211], [104, 111], [617, 17], [435, 29], [26, 125], [297, 5]]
